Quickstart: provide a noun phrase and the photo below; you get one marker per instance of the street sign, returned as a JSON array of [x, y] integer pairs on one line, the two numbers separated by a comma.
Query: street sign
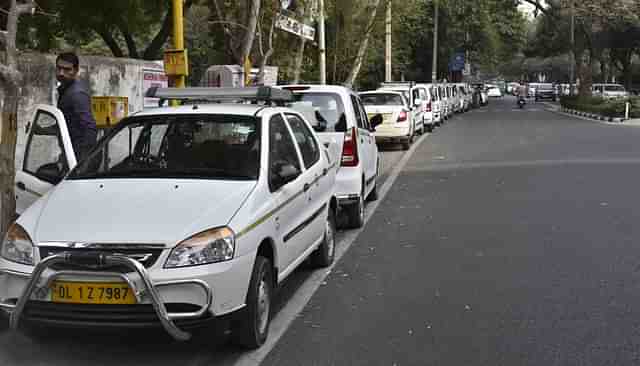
[[175, 63], [296, 27]]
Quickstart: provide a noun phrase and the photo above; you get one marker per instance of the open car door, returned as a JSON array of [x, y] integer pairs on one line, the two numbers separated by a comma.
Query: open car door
[[48, 156]]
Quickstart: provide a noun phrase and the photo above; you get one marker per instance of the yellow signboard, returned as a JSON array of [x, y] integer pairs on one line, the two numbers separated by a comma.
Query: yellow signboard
[[108, 111], [176, 63]]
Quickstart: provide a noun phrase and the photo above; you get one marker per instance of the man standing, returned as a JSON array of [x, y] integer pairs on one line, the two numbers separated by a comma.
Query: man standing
[[75, 103]]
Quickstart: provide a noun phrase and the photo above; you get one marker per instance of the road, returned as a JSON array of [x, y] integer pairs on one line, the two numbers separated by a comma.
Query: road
[[508, 238]]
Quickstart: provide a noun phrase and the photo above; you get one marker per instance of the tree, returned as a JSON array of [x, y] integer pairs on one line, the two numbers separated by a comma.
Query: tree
[[10, 78]]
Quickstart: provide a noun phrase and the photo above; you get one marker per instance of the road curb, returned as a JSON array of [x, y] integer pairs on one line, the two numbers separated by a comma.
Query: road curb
[[589, 117]]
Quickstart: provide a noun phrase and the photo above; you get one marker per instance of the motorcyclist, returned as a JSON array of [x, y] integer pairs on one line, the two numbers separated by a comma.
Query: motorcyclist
[[522, 93]]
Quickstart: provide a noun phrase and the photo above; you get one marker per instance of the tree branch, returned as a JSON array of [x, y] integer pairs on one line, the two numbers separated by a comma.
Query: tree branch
[[152, 52], [131, 43], [107, 37], [538, 6]]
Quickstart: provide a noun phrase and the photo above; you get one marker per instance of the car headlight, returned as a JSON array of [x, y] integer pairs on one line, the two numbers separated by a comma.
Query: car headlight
[[211, 246], [17, 246]]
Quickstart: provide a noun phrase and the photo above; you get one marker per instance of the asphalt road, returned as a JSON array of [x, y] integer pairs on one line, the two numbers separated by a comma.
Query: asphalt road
[[510, 238]]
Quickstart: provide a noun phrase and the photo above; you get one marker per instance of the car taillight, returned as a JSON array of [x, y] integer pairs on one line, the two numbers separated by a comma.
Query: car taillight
[[403, 116], [350, 148], [428, 107]]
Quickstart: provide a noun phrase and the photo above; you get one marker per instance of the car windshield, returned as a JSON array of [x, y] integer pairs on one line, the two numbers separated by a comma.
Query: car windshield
[[177, 146], [614, 88], [382, 99], [328, 107]]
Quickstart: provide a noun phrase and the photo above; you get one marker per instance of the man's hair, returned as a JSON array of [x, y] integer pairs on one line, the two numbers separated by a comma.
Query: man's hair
[[70, 57]]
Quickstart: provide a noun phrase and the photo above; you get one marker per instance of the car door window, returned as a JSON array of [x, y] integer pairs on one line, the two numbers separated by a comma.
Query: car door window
[[304, 138], [363, 113], [359, 119], [282, 151], [44, 156]]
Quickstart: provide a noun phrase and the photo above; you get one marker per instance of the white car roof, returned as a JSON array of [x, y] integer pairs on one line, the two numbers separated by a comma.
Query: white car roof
[[317, 87], [382, 91]]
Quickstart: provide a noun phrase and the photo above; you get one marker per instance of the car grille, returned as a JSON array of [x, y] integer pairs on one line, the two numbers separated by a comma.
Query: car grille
[[147, 257], [134, 316]]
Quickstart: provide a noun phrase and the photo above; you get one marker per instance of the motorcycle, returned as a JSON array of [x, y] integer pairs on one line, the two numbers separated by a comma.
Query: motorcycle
[[521, 102]]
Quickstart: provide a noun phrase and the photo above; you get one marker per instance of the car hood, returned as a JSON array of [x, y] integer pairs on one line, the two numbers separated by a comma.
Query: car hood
[[137, 210]]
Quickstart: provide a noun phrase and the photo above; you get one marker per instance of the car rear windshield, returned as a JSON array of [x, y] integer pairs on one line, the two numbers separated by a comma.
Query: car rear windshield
[[208, 146], [327, 106], [382, 99], [545, 87], [614, 88]]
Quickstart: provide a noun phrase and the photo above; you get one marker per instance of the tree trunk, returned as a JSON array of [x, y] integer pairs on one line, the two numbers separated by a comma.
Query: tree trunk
[[353, 75], [297, 70], [10, 78], [9, 137], [250, 35], [153, 50]]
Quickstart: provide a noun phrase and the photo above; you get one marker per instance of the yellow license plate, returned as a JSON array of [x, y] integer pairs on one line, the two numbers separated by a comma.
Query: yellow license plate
[[110, 293]]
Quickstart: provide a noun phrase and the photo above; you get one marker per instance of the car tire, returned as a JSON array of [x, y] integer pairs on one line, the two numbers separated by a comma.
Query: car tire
[[251, 327], [373, 195], [355, 213], [430, 128], [324, 255], [406, 144]]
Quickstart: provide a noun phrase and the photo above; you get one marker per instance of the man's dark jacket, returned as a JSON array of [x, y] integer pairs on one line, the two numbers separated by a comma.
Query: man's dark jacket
[[75, 103]]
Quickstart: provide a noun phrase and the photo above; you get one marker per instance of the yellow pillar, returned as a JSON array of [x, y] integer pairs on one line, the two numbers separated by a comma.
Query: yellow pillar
[[178, 35]]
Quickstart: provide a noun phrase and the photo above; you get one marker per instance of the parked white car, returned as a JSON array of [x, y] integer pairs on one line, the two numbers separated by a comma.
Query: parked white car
[[494, 92], [347, 129], [395, 112], [417, 97], [609, 91], [436, 103], [179, 216]]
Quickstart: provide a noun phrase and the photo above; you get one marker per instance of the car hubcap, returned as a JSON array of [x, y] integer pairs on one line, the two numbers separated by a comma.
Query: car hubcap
[[263, 305]]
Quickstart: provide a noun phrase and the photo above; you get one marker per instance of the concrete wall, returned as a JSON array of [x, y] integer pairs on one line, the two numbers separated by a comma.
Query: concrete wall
[[106, 77]]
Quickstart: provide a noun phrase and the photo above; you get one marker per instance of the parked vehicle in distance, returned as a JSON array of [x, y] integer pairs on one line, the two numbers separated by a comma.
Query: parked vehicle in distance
[[395, 112], [418, 100], [545, 91], [345, 127], [609, 91], [178, 217], [494, 92]]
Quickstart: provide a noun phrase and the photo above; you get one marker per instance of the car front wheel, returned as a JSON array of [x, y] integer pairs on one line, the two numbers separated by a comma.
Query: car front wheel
[[251, 327]]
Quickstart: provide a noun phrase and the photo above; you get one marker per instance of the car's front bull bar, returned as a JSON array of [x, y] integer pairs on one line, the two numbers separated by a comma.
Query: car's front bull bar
[[100, 259]]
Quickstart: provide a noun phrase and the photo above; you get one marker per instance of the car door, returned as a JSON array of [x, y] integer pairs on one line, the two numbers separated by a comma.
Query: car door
[[317, 186], [366, 142], [289, 195], [417, 109], [48, 156], [373, 147]]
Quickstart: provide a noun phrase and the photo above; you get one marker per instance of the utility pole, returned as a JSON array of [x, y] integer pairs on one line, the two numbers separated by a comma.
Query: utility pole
[[387, 52], [323, 49], [572, 62], [434, 66], [178, 36]]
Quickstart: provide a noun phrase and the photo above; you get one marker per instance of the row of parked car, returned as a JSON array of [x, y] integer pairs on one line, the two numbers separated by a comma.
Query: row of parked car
[[182, 216]]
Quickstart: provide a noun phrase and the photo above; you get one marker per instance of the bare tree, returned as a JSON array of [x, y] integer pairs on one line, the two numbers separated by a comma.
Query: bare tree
[[10, 79], [240, 31], [355, 70]]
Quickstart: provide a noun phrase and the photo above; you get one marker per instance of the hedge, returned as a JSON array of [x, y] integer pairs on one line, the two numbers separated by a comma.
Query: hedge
[[604, 107]]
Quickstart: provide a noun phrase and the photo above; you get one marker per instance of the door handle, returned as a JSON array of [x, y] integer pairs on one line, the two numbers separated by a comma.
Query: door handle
[[21, 186], [306, 187]]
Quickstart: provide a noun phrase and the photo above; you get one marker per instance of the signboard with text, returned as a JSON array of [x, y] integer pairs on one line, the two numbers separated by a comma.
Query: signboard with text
[[296, 27]]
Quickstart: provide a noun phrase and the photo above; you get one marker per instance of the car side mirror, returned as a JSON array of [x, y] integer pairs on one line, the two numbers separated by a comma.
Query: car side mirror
[[50, 173], [376, 121], [321, 126]]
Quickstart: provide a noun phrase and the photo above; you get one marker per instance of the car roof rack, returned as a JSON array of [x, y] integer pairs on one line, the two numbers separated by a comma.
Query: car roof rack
[[267, 94], [394, 84]]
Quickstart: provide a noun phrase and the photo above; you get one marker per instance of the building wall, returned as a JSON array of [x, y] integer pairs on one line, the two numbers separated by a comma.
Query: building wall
[[105, 76]]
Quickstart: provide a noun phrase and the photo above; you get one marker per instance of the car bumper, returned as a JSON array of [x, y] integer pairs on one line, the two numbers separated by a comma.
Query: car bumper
[[348, 185], [169, 298]]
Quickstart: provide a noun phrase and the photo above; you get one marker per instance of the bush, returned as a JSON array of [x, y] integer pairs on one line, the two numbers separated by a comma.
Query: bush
[[604, 107]]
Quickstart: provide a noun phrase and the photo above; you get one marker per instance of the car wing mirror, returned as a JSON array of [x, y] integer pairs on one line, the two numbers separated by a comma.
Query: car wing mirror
[[287, 172], [376, 121], [320, 126]]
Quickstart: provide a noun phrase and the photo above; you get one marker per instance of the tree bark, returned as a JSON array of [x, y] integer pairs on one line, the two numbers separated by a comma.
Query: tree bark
[[297, 69], [107, 37], [131, 43], [250, 34], [10, 79], [355, 70]]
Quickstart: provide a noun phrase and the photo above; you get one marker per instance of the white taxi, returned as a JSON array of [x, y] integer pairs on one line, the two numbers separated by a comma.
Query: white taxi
[[395, 111], [179, 216]]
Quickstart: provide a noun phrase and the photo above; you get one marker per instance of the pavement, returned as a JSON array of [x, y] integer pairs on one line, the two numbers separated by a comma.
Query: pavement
[[508, 239]]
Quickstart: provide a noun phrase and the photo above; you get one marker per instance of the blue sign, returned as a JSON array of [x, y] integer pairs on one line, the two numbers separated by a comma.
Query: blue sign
[[457, 62]]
